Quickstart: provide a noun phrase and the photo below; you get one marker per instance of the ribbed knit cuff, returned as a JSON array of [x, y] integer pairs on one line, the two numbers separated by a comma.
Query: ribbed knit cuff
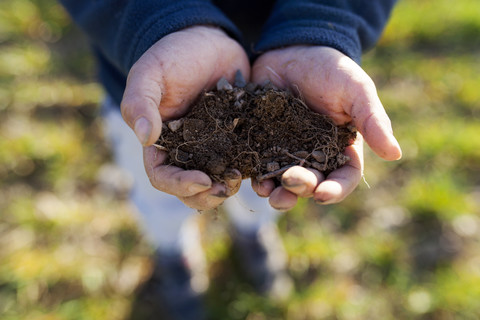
[[313, 23], [154, 23]]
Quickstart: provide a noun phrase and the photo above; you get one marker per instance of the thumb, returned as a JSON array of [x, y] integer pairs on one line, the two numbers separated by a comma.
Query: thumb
[[372, 121], [140, 104]]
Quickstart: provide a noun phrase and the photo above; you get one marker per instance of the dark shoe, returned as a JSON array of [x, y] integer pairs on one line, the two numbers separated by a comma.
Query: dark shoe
[[169, 294], [264, 261]]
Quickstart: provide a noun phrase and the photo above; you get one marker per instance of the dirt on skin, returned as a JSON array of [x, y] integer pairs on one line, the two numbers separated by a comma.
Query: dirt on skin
[[260, 131]]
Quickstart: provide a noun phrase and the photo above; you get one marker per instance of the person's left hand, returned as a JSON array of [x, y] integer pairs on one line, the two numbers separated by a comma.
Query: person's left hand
[[332, 84]]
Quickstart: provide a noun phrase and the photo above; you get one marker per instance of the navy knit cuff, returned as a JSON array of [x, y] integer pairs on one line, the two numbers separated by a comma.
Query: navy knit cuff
[[348, 26], [180, 15], [324, 34]]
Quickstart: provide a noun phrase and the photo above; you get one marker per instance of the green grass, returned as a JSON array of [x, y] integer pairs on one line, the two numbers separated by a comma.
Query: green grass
[[405, 248]]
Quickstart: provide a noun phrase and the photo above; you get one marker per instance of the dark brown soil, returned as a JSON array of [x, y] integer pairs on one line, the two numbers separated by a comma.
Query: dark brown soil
[[261, 131]]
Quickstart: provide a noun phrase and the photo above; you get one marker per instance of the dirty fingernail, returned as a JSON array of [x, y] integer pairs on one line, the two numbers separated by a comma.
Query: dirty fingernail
[[221, 194], [323, 202], [299, 190], [233, 174], [142, 129], [221, 191], [294, 187]]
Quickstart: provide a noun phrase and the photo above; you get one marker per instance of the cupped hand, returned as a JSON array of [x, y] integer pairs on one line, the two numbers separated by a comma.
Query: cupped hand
[[332, 84], [162, 85]]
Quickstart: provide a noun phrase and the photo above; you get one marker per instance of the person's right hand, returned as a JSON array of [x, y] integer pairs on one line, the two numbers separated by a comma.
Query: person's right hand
[[162, 85]]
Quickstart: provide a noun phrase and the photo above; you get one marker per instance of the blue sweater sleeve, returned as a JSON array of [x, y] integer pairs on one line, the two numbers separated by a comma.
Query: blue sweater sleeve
[[122, 30], [350, 26]]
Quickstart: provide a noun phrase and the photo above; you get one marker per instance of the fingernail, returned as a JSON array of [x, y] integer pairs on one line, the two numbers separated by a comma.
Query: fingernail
[[395, 143], [142, 129], [221, 193], [399, 149], [294, 186], [233, 174], [198, 187], [298, 189], [323, 202]]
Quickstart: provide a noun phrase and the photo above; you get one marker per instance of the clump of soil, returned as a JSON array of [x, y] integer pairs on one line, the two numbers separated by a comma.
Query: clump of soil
[[259, 130]]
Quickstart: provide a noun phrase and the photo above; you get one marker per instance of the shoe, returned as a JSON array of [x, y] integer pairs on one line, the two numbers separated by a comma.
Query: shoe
[[264, 261], [179, 279], [169, 293]]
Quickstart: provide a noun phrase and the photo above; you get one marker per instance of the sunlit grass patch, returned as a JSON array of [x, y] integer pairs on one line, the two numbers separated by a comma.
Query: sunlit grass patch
[[433, 24], [25, 60], [35, 19], [439, 194], [52, 154], [60, 242], [457, 291], [405, 248], [43, 93]]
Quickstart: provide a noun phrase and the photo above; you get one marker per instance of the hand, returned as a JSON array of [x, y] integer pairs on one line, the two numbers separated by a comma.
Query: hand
[[162, 85], [331, 84]]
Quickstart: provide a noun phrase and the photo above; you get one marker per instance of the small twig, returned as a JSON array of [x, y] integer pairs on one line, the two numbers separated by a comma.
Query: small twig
[[273, 174]]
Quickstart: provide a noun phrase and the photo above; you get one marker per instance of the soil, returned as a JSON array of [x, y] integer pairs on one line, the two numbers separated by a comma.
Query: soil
[[260, 131]]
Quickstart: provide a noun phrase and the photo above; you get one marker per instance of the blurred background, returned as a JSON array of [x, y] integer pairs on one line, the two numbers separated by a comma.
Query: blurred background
[[407, 247]]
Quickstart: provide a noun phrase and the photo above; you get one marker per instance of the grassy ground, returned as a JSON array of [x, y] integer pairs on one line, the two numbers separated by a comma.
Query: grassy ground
[[405, 248]]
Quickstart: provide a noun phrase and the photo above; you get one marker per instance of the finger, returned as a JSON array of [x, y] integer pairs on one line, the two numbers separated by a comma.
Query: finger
[[209, 199], [140, 103], [372, 121], [282, 199], [171, 179], [341, 182], [263, 188], [215, 196], [233, 182], [301, 181]]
